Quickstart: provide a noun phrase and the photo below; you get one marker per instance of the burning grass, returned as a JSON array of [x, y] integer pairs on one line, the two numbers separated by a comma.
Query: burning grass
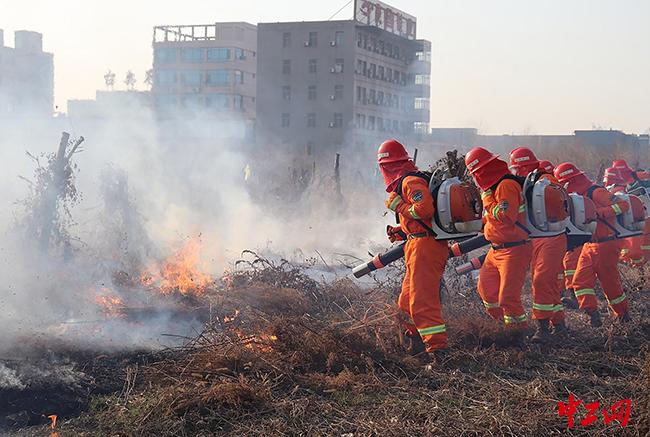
[[282, 354]]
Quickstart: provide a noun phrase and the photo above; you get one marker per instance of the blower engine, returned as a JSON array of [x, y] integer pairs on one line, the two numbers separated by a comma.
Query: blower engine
[[547, 205], [644, 195], [632, 222], [458, 210], [583, 222]]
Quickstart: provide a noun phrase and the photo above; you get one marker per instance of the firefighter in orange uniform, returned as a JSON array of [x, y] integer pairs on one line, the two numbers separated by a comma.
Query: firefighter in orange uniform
[[631, 247], [599, 258], [636, 250], [425, 256], [546, 266], [503, 273]]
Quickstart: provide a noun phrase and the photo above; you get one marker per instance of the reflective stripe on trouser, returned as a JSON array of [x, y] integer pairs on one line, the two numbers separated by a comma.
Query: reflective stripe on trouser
[[632, 251], [501, 280], [599, 261], [546, 265], [420, 297], [570, 264]]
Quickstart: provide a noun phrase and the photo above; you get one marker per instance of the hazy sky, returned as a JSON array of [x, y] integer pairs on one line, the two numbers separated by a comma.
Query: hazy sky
[[504, 66]]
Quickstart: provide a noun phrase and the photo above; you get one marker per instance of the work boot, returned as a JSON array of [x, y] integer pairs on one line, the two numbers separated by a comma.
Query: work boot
[[560, 330], [542, 334], [594, 319], [569, 300], [415, 343], [625, 318], [435, 358]]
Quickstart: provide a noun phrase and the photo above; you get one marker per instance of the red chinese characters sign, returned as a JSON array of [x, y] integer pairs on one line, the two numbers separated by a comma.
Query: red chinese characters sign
[[619, 412], [377, 14]]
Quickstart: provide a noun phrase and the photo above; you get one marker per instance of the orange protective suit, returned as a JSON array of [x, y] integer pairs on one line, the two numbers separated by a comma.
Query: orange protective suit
[[636, 250], [599, 259], [546, 266], [546, 272], [425, 264], [570, 266], [503, 273]]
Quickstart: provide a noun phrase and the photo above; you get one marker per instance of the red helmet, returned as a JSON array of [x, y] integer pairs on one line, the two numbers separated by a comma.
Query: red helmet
[[546, 166], [620, 163], [477, 158], [613, 176], [523, 157], [566, 171], [391, 151]]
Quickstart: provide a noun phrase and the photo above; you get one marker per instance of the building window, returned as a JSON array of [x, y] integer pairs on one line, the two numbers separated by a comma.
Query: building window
[[239, 77], [218, 54], [338, 65], [338, 92], [359, 39], [362, 66], [165, 77], [286, 39], [192, 78], [313, 66], [338, 119], [423, 56], [338, 38], [311, 119], [166, 101], [192, 55], [240, 54], [311, 92], [238, 102], [380, 72], [389, 100], [421, 127], [286, 66], [165, 55], [371, 122], [218, 101], [422, 79], [421, 103], [380, 124], [218, 78], [372, 71], [286, 92], [313, 39], [193, 101], [396, 76], [380, 98], [395, 126], [285, 120], [389, 74], [372, 97], [396, 101]]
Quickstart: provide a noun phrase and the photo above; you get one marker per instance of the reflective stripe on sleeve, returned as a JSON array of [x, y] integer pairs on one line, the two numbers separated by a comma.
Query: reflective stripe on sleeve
[[413, 213], [396, 201], [617, 209], [522, 208], [569, 272]]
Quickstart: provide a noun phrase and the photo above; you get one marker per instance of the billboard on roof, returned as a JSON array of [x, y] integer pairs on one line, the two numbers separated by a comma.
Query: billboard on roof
[[377, 14]]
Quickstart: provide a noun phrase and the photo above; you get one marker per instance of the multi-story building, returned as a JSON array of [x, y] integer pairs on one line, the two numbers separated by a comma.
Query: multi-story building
[[328, 86], [26, 77], [206, 70]]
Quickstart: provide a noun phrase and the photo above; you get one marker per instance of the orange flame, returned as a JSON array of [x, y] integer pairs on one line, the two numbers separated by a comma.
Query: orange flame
[[53, 419], [180, 273], [111, 304]]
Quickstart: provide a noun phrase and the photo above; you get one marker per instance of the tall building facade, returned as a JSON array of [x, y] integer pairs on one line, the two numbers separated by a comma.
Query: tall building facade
[[205, 70], [346, 85], [26, 77]]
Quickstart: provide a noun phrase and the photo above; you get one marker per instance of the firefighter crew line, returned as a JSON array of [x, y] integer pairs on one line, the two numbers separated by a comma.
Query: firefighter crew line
[[554, 221]]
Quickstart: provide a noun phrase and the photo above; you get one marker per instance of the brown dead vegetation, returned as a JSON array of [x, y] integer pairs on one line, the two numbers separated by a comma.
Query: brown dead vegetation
[[284, 355]]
